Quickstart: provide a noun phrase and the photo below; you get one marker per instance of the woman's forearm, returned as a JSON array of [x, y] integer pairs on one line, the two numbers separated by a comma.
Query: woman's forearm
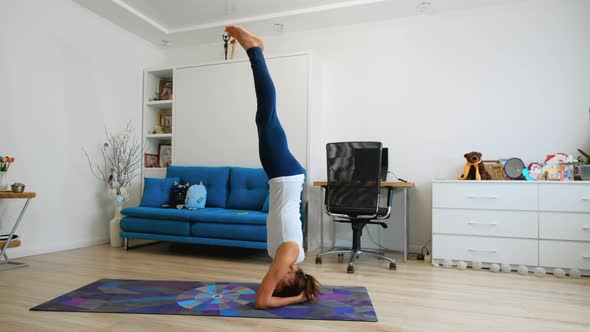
[[276, 302]]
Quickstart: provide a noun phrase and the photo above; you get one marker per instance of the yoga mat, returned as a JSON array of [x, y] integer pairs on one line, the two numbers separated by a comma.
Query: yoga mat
[[230, 299]]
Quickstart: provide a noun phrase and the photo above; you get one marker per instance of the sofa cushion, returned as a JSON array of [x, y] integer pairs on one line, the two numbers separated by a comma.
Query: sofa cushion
[[248, 188], [229, 216], [156, 192], [157, 213], [215, 179], [153, 226], [229, 231]]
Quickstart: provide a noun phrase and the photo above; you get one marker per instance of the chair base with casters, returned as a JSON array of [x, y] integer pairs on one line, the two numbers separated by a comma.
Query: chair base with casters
[[355, 252]]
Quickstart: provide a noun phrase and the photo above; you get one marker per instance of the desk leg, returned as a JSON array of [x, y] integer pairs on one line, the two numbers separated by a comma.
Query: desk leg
[[322, 219], [406, 225], [6, 264]]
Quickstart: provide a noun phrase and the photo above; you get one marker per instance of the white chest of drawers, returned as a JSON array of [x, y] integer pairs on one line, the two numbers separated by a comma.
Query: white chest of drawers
[[542, 223]]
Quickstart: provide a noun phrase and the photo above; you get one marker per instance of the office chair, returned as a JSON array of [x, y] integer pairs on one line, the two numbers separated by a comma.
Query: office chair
[[353, 194]]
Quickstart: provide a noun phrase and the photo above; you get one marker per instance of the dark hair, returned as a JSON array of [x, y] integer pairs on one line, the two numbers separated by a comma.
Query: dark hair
[[303, 283]]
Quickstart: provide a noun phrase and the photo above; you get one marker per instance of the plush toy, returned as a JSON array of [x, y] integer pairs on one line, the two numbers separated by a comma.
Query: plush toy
[[474, 168], [196, 197], [539, 272], [559, 273], [495, 267], [177, 197], [476, 265]]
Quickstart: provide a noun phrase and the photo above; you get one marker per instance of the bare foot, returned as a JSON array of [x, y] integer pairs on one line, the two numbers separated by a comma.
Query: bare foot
[[244, 37]]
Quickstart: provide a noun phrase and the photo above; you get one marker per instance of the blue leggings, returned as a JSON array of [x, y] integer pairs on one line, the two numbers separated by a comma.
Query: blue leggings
[[273, 148]]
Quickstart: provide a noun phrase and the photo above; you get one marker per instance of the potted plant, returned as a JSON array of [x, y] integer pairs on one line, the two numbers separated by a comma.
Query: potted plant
[[5, 163]]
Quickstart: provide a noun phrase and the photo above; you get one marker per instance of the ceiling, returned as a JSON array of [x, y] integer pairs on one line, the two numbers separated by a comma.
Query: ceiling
[[177, 23]]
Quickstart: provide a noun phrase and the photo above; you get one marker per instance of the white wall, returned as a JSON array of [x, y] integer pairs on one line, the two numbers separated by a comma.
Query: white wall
[[65, 74], [506, 81]]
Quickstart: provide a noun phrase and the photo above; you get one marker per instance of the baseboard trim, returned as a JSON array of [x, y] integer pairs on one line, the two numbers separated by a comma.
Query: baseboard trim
[[26, 252]]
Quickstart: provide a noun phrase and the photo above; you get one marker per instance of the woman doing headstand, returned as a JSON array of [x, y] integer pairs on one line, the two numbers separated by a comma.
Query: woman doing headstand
[[284, 283]]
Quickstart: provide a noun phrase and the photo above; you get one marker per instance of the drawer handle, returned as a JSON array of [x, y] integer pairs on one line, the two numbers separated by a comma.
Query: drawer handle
[[586, 257], [586, 228], [480, 250], [482, 196], [482, 223], [585, 198]]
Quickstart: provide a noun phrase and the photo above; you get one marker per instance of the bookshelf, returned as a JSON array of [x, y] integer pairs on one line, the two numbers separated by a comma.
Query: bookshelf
[[157, 119]]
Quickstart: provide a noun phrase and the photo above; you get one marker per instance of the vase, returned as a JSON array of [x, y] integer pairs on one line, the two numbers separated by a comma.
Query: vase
[[4, 181], [115, 225]]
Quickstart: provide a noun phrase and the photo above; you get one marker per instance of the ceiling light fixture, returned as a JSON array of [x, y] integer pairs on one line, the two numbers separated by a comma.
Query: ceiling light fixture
[[424, 8], [165, 43], [278, 27]]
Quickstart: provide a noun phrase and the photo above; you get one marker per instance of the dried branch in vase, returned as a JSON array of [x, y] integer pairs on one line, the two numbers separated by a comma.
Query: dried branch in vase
[[121, 159]]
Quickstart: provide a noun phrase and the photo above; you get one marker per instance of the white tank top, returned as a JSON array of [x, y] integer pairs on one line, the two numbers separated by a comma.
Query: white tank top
[[284, 218]]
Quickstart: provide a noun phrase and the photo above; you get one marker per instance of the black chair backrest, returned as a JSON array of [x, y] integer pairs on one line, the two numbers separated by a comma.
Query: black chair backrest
[[353, 177]]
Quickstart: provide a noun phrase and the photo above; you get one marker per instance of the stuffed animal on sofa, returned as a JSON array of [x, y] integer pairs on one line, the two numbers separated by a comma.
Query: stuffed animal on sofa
[[474, 168], [196, 197], [177, 198]]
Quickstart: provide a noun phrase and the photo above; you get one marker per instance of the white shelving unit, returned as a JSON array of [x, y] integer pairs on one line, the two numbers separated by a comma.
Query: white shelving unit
[[151, 115], [160, 104], [158, 136]]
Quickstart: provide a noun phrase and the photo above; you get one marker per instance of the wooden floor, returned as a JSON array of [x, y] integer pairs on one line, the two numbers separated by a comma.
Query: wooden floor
[[416, 297]]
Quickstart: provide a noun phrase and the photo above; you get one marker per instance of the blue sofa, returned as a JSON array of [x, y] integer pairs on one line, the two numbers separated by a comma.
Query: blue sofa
[[235, 212]]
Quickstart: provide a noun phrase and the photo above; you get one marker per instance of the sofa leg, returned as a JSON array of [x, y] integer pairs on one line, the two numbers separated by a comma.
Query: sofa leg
[[127, 243]]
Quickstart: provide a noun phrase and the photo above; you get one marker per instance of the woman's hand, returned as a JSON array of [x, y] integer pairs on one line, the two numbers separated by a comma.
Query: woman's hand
[[302, 298]]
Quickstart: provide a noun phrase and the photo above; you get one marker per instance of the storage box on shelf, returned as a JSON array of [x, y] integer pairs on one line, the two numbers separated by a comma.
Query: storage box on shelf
[[536, 224]]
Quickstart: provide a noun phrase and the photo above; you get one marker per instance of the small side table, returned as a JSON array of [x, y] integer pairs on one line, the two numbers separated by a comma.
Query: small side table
[[5, 263]]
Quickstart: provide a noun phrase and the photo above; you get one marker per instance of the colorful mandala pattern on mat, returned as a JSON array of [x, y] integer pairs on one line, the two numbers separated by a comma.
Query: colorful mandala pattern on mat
[[233, 299], [215, 297]]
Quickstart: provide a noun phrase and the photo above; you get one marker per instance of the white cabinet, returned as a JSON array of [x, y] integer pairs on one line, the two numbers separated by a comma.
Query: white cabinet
[[564, 226], [480, 195], [521, 224], [564, 197], [215, 109], [486, 249], [210, 120], [543, 224]]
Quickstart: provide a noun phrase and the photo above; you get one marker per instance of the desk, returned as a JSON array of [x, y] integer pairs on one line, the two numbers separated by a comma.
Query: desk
[[6, 264], [404, 186]]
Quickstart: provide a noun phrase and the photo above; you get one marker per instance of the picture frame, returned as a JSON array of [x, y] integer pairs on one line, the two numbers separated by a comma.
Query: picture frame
[[164, 155], [495, 168], [150, 160], [166, 90], [165, 121]]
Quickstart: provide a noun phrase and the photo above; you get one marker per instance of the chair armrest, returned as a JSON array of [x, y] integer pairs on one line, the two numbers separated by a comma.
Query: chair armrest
[[389, 204]]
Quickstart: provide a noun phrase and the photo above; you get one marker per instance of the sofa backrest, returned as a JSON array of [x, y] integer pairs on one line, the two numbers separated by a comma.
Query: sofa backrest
[[215, 179], [248, 188]]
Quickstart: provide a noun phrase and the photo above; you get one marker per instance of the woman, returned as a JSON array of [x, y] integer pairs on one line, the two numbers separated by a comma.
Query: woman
[[284, 283]]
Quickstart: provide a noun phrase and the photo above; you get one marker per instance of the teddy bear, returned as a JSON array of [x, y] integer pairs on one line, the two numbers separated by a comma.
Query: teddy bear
[[474, 168]]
